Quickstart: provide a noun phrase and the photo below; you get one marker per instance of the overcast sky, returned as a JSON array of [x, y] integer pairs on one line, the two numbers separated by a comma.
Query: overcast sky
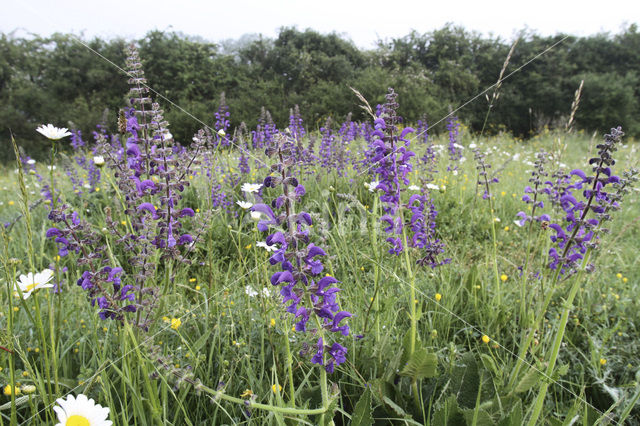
[[363, 22]]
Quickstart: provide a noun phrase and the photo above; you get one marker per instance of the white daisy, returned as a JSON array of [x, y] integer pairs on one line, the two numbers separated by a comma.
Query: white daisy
[[266, 246], [31, 162], [29, 283], [256, 216], [98, 160], [244, 204], [250, 291], [81, 411], [371, 186], [413, 188], [52, 132], [433, 187], [251, 187]]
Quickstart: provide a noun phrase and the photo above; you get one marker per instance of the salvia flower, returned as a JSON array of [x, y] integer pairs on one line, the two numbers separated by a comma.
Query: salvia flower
[[531, 193], [390, 157], [306, 293], [579, 232]]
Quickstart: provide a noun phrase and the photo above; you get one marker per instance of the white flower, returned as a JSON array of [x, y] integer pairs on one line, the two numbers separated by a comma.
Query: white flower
[[413, 188], [251, 187], [433, 187], [266, 292], [221, 133], [86, 186], [472, 145], [455, 173], [250, 291], [516, 157], [49, 167], [29, 283], [52, 132], [81, 411], [371, 186], [266, 246], [244, 204], [496, 219], [519, 223], [457, 145], [98, 160], [31, 162], [256, 216]]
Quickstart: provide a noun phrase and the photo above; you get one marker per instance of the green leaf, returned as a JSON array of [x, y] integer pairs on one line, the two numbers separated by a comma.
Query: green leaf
[[530, 378], [466, 381], [395, 407], [421, 364], [449, 414], [490, 365], [514, 418], [482, 417], [362, 412]]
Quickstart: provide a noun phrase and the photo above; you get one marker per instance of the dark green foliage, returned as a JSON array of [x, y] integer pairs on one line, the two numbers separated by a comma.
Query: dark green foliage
[[58, 80]]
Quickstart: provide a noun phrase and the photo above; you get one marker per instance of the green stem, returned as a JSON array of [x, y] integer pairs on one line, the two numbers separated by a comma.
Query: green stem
[[495, 254], [412, 311], [53, 191], [557, 343], [43, 341], [292, 392], [12, 368]]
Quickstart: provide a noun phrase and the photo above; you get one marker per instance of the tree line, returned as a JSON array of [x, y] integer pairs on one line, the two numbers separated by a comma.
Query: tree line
[[59, 80]]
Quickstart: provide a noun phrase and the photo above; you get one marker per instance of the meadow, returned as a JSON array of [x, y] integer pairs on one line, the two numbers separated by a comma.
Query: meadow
[[359, 273]]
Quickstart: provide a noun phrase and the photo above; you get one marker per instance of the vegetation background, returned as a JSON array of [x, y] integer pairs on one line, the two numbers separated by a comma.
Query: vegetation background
[[58, 80]]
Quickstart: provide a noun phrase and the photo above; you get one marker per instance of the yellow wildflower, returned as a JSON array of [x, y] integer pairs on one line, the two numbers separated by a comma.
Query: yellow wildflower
[[175, 323]]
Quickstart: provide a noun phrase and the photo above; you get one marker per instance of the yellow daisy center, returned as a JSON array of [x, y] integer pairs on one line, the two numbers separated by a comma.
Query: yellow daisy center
[[30, 287], [77, 420]]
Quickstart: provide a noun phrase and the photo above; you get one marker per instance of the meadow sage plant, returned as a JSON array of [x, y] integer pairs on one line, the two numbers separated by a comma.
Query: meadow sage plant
[[306, 292]]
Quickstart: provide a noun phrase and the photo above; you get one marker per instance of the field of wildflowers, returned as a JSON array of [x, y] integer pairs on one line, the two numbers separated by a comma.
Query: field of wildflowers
[[358, 273]]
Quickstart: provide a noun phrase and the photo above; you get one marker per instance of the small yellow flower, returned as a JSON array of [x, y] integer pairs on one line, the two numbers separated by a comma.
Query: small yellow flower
[[503, 277], [272, 323], [11, 203], [503, 193], [25, 374], [506, 228], [7, 390], [619, 275], [624, 280], [123, 222], [276, 388], [247, 247], [486, 339], [175, 323], [438, 297], [16, 309], [246, 394], [197, 287], [104, 329], [192, 280], [603, 361]]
